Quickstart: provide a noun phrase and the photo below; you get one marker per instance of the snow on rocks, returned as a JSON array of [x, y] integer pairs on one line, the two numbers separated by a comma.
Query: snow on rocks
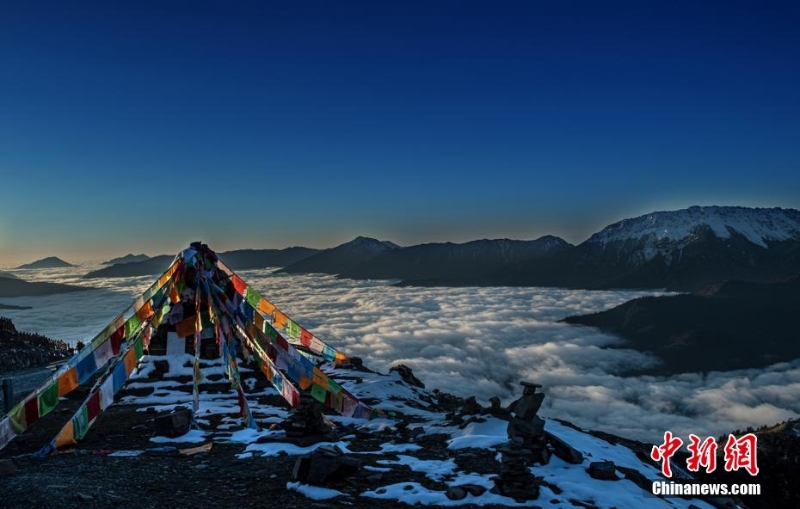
[[421, 451]]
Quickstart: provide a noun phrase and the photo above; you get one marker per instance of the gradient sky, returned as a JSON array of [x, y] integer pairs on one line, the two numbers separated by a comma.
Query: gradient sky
[[140, 126]]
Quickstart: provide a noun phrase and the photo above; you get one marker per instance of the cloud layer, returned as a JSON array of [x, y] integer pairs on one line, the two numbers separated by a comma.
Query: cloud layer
[[482, 342]]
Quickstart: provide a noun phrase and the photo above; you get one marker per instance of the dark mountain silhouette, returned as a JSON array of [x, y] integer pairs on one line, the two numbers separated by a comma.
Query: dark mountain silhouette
[[730, 325], [342, 258], [7, 275], [454, 261], [243, 259], [681, 250], [151, 266], [778, 454], [51, 262], [128, 258], [19, 288]]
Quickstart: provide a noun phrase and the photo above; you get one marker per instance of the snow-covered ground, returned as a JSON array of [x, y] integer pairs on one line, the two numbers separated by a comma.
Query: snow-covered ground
[[563, 481]]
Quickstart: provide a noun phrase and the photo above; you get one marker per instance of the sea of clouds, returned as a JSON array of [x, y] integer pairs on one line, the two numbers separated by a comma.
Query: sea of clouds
[[475, 341]]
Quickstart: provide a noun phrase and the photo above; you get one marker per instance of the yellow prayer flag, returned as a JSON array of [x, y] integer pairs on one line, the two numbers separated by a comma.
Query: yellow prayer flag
[[67, 381], [66, 436], [280, 320], [265, 307]]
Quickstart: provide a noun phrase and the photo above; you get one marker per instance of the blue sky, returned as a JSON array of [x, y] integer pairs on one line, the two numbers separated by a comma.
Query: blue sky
[[142, 126]]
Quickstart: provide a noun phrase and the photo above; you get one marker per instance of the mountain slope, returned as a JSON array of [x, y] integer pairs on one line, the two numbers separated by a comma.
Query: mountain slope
[[151, 266], [342, 258], [7, 275], [19, 288], [51, 262], [732, 325], [454, 261], [243, 259]]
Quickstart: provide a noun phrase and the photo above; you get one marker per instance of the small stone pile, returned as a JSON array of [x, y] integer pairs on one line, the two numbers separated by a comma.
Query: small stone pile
[[516, 480], [306, 421], [526, 429], [527, 445]]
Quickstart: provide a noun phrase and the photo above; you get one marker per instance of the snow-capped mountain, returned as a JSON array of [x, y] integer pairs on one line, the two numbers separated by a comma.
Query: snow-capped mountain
[[680, 250], [661, 233]]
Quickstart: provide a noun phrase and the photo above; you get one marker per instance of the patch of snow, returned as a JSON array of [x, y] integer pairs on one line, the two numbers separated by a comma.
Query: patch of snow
[[412, 493], [194, 436], [433, 469], [276, 448], [313, 492], [480, 434]]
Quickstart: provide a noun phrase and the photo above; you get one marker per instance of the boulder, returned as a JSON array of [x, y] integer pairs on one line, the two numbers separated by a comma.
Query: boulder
[[455, 493], [326, 463], [174, 424], [563, 450], [603, 470], [407, 375]]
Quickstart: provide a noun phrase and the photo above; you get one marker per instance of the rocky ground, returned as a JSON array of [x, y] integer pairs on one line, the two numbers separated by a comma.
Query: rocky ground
[[429, 448], [22, 350]]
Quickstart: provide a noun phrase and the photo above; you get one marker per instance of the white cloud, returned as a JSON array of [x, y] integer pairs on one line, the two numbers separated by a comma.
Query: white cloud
[[482, 342]]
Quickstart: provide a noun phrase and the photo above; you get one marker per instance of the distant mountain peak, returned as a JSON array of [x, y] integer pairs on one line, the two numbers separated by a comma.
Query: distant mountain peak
[[46, 263], [128, 258], [362, 241], [757, 225]]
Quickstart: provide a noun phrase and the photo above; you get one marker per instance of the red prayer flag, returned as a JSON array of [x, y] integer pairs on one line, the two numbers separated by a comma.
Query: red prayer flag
[[239, 285], [116, 339], [93, 405], [32, 410]]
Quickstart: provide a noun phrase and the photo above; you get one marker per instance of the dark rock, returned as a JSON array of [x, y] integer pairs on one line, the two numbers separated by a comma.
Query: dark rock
[[528, 405], [326, 463], [473, 489], [525, 429], [636, 477], [456, 493], [529, 386], [603, 470], [471, 407], [174, 424], [7, 468], [563, 450], [407, 375]]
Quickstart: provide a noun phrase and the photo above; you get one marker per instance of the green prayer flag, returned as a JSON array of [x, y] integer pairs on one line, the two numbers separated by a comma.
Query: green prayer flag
[[17, 416], [333, 386], [292, 329], [80, 423], [318, 392], [132, 325], [48, 399], [138, 348], [252, 297], [271, 333]]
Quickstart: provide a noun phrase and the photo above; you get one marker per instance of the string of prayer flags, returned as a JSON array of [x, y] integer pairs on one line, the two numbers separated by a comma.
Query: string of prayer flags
[[280, 321]]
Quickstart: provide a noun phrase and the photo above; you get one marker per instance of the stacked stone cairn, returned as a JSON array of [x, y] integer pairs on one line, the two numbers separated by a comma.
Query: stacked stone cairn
[[527, 445]]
